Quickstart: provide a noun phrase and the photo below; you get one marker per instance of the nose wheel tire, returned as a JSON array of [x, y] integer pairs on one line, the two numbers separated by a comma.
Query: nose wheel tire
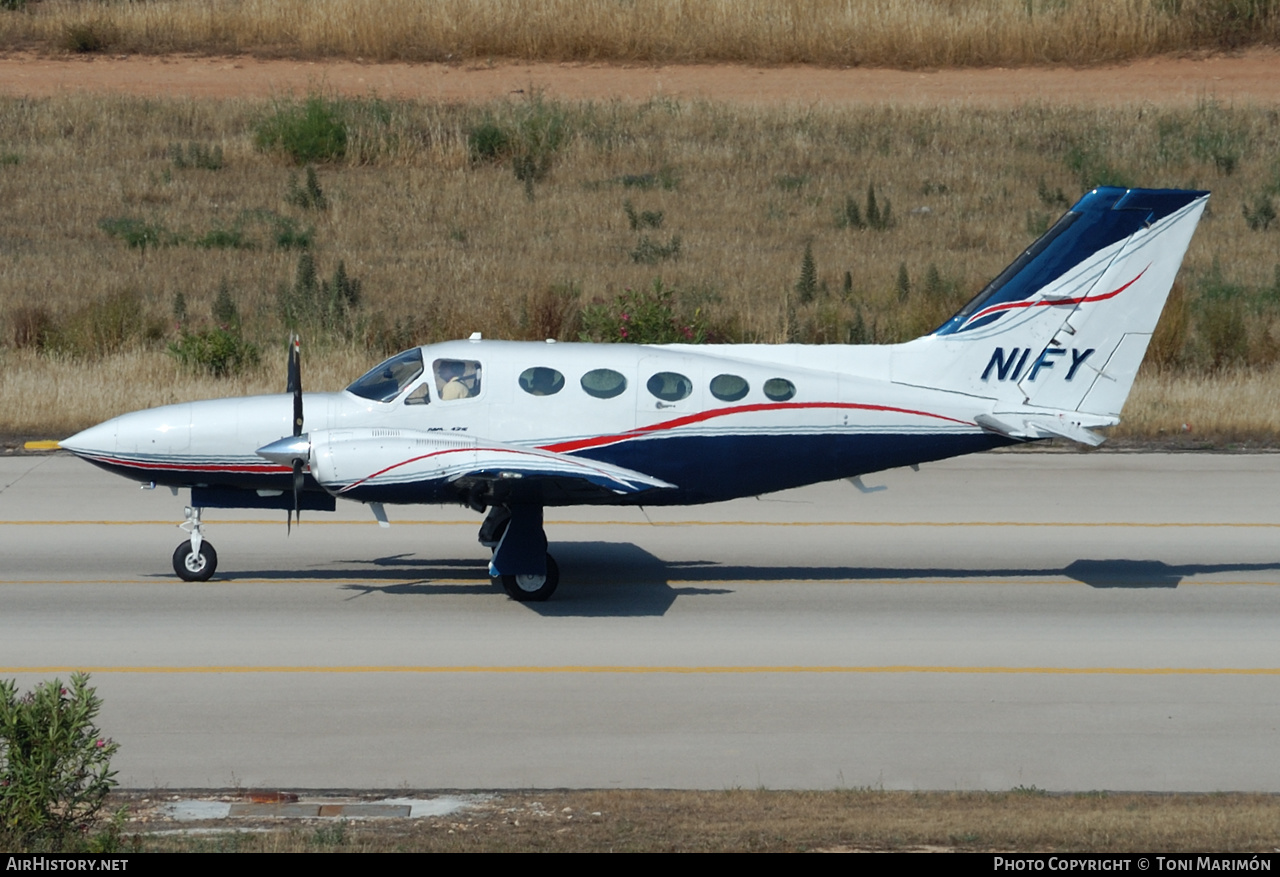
[[530, 588], [192, 566]]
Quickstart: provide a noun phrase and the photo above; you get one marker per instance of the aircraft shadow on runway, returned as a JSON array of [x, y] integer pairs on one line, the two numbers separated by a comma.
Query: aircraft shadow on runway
[[621, 579]]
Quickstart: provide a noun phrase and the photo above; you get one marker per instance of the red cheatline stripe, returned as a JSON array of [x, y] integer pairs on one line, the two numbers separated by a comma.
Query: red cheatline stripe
[[1085, 299], [597, 441]]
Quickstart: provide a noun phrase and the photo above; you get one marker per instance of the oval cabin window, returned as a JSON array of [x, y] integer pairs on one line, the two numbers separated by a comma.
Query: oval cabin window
[[604, 383], [540, 381], [729, 388], [670, 386], [779, 389]]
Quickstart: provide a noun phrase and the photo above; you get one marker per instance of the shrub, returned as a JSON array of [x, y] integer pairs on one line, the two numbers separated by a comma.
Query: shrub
[[217, 351], [86, 37], [667, 179], [137, 233], [327, 305], [196, 155], [312, 132], [1260, 216], [55, 764], [645, 317], [639, 219], [219, 238], [224, 311], [807, 285], [308, 196], [288, 235], [878, 218], [104, 326], [488, 143], [850, 216], [31, 327], [531, 139], [651, 252], [552, 312]]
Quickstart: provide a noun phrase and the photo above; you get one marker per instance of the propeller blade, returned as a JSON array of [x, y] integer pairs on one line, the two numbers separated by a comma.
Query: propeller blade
[[295, 382], [297, 488]]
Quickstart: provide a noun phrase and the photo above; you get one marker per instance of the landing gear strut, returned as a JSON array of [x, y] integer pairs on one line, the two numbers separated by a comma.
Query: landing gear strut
[[520, 559], [195, 560]]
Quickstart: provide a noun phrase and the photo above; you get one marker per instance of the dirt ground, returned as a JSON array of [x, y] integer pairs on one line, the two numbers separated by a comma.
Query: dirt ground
[[1251, 77]]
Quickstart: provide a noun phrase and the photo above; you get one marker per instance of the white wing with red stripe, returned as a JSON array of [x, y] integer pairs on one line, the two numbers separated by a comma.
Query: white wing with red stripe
[[399, 463]]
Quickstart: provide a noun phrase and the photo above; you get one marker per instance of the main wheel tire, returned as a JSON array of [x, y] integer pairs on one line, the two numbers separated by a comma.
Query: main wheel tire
[[533, 589], [193, 567]]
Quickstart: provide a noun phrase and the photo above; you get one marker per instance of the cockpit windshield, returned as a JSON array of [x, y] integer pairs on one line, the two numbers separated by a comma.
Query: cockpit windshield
[[384, 381]]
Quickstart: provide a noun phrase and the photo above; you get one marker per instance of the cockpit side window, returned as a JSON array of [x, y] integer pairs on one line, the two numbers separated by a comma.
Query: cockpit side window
[[384, 381], [457, 379], [419, 396]]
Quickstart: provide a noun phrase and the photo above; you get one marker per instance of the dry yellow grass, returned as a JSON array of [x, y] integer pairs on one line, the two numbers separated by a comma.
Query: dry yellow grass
[[1023, 820], [835, 32], [446, 246], [1234, 407]]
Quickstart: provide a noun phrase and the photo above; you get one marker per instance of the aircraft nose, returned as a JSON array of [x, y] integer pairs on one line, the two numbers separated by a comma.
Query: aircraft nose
[[100, 439]]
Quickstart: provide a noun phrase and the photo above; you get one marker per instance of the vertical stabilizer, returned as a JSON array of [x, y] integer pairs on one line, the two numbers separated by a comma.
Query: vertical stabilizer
[[1065, 326]]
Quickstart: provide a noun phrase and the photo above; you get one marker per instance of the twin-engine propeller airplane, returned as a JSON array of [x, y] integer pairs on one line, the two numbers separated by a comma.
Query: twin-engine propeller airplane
[[1049, 348]]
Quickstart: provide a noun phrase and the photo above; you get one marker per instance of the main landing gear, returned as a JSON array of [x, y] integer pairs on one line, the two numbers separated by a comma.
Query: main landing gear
[[520, 559], [194, 560]]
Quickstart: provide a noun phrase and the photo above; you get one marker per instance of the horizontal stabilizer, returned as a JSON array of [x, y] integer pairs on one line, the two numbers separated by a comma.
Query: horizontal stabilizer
[[1026, 426]]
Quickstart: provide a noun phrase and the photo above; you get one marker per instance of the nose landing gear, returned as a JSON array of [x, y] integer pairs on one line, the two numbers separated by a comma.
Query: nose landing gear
[[194, 560]]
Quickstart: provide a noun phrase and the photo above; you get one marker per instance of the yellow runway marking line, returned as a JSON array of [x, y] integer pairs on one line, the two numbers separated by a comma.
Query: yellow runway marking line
[[1176, 525], [659, 669], [42, 445]]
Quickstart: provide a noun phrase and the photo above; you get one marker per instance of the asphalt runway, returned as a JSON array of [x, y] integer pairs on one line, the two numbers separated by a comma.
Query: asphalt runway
[[1065, 621]]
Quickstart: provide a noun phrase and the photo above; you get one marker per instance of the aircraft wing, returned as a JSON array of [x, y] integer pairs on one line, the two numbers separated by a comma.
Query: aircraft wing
[[410, 466]]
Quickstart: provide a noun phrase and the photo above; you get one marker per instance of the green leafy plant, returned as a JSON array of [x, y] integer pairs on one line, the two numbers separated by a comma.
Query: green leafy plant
[[196, 155], [1260, 216], [642, 218], [85, 37], [1051, 197], [327, 305], [55, 764], [311, 132], [138, 233], [807, 285], [103, 326], [666, 179], [224, 311], [643, 317], [650, 252], [850, 216], [308, 196], [219, 238], [488, 143], [218, 351], [878, 218]]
